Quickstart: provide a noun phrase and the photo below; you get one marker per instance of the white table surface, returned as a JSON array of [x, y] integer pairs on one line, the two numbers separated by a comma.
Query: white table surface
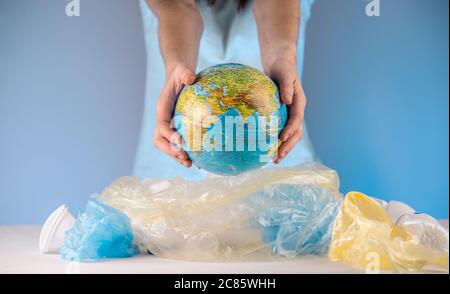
[[19, 253]]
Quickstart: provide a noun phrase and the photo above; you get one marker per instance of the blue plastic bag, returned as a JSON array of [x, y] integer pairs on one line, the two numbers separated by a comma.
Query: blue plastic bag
[[100, 232], [299, 219]]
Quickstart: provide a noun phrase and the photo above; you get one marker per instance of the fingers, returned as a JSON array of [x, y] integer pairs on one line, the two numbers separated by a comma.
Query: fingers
[[185, 162], [287, 146], [169, 134], [291, 127], [178, 154], [169, 141], [296, 111], [293, 131], [165, 137]]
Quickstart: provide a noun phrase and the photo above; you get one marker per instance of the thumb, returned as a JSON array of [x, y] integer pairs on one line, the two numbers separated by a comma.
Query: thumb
[[187, 76], [287, 91]]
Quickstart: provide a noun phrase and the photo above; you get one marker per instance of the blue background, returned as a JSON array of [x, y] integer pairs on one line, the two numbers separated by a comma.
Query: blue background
[[72, 93]]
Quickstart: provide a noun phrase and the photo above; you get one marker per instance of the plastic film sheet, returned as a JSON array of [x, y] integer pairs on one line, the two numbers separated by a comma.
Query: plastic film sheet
[[256, 215]]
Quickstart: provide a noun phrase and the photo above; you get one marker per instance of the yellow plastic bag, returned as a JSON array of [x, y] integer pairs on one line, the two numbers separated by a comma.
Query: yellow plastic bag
[[365, 236]]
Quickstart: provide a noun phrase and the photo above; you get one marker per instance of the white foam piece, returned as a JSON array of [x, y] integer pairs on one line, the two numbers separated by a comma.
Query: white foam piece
[[52, 233]]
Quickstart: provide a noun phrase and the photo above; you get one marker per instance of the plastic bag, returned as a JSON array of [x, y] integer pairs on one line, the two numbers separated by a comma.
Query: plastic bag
[[258, 214], [100, 232], [428, 230], [365, 236]]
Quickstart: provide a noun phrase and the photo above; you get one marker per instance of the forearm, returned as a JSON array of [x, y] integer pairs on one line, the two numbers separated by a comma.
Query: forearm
[[278, 27], [180, 29]]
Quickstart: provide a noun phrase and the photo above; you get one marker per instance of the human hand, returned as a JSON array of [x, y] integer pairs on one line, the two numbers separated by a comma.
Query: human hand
[[283, 70], [165, 136]]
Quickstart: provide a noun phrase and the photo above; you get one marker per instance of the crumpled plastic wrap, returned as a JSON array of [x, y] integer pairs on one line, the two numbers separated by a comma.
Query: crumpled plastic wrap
[[261, 214], [365, 233], [256, 215], [100, 232]]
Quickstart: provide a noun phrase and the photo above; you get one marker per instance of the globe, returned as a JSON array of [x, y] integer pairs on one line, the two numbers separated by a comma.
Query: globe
[[230, 119]]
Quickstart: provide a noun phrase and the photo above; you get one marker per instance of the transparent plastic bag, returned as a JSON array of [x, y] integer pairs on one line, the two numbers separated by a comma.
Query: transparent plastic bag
[[258, 214], [365, 236]]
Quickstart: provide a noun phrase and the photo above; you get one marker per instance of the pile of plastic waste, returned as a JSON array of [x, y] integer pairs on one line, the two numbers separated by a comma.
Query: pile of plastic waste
[[259, 215]]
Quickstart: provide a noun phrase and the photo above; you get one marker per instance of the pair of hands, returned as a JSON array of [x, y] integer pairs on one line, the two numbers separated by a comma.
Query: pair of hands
[[281, 69]]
